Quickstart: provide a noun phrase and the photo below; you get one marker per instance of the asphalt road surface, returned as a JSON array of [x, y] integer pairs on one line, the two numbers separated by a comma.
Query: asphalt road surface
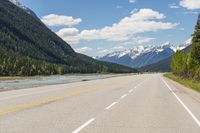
[[147, 103]]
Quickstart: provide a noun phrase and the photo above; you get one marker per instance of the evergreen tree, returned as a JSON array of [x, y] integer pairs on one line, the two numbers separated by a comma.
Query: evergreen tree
[[195, 52], [187, 65]]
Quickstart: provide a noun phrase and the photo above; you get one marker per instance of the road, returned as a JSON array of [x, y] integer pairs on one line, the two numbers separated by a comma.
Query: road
[[147, 103]]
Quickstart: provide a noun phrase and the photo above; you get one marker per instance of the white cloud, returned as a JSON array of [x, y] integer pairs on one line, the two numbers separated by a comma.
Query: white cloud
[[190, 4], [132, 1], [145, 20], [139, 21], [173, 6], [70, 35], [60, 20], [83, 50], [146, 14], [68, 32]]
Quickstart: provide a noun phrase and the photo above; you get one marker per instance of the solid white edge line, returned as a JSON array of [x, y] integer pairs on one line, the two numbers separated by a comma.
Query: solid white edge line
[[123, 96], [84, 125], [111, 105], [185, 107]]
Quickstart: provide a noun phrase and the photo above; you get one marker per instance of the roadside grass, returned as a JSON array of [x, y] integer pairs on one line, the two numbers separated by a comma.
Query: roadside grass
[[195, 85]]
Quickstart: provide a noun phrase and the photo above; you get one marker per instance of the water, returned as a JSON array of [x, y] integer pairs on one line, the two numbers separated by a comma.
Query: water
[[48, 80]]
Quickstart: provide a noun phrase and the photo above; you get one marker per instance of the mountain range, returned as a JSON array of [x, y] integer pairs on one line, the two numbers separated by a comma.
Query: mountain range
[[28, 47], [142, 56], [163, 65]]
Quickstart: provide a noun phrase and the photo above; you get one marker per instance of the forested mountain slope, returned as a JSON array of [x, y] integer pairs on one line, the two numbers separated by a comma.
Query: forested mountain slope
[[28, 47]]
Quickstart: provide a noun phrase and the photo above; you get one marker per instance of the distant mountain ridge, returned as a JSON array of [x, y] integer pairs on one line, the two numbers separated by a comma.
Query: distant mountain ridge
[[142, 55], [163, 65]]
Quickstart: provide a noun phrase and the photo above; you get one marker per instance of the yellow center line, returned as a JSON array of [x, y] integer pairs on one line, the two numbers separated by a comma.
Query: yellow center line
[[45, 101], [49, 100]]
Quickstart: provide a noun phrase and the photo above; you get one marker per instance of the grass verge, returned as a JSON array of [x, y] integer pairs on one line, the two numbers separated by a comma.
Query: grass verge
[[195, 85]]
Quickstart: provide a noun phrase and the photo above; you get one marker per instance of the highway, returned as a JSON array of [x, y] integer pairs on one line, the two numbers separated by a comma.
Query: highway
[[147, 103]]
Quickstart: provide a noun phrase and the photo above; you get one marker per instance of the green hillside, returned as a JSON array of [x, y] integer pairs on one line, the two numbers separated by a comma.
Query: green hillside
[[28, 47]]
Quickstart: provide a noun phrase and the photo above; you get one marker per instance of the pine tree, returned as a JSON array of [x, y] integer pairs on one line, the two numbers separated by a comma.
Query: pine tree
[[195, 52]]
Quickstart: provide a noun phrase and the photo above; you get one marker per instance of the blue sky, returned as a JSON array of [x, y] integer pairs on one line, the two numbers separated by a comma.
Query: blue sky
[[97, 27]]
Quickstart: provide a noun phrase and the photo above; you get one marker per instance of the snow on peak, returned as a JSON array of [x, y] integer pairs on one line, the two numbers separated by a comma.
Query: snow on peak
[[118, 53], [17, 3], [139, 50], [136, 51], [184, 44], [23, 7]]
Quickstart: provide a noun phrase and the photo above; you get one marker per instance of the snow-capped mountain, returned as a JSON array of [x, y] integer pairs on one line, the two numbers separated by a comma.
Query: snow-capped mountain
[[185, 44], [143, 55], [26, 9]]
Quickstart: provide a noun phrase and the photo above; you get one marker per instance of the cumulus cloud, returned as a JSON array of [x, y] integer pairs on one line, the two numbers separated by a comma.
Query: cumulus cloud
[[144, 20], [83, 50], [139, 21], [60, 20], [190, 4], [70, 35]]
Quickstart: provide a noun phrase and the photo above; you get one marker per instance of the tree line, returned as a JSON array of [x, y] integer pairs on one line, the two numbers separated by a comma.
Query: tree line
[[12, 64]]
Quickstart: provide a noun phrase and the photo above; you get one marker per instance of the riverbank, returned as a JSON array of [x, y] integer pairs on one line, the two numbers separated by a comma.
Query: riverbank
[[13, 83]]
